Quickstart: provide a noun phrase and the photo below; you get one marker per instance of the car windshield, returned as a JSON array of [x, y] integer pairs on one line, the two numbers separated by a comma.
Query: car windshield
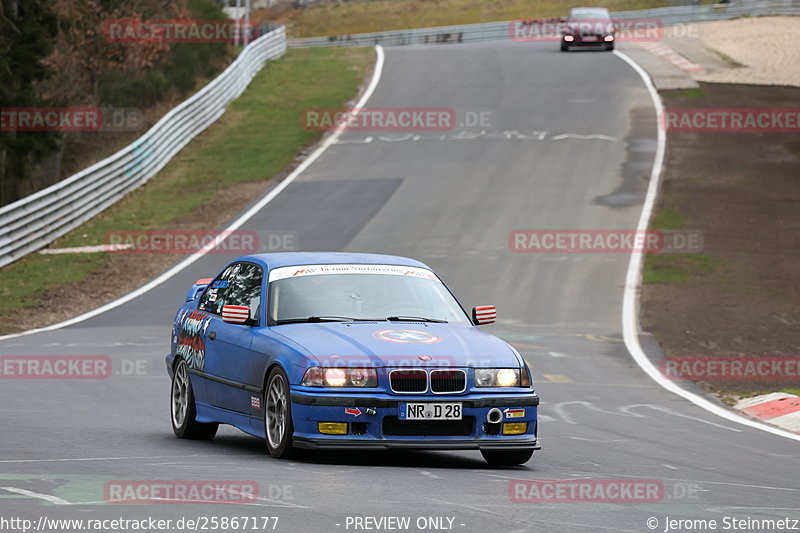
[[588, 15], [345, 292]]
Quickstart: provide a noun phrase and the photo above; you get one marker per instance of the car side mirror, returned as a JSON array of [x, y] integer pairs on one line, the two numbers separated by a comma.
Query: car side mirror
[[236, 314], [484, 314]]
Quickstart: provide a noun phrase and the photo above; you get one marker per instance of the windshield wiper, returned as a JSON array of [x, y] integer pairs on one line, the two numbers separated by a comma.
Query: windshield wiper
[[415, 319], [323, 318]]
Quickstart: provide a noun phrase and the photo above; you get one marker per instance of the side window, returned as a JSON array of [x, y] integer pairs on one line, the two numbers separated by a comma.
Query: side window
[[213, 299], [245, 289]]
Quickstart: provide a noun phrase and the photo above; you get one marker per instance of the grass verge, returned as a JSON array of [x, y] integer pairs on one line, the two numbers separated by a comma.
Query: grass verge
[[739, 297], [258, 137], [358, 16], [675, 268]]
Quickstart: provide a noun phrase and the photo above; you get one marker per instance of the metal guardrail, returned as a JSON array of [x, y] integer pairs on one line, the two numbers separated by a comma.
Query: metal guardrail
[[37, 220], [494, 31]]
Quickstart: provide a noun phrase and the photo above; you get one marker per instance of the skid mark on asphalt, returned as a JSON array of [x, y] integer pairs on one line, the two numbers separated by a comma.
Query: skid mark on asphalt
[[627, 411]]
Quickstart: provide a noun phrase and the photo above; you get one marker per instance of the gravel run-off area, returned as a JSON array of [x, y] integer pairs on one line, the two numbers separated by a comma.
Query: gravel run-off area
[[764, 47]]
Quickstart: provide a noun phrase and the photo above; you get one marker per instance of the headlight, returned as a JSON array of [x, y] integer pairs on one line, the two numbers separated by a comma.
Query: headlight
[[335, 377], [317, 376], [497, 377]]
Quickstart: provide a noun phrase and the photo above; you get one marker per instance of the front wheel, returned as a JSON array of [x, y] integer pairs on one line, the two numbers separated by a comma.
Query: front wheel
[[564, 47], [183, 409], [610, 46], [507, 458], [278, 426]]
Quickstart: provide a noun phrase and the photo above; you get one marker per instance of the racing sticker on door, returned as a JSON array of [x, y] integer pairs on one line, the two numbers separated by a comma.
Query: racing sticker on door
[[407, 336], [189, 343]]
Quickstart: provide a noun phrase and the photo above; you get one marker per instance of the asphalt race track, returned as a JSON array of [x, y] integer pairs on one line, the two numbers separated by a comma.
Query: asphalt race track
[[449, 199]]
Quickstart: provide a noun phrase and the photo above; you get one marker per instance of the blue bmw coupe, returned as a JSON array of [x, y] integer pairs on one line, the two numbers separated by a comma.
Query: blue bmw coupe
[[346, 351]]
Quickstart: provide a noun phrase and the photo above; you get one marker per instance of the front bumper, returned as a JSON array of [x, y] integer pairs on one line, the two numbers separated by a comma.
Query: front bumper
[[368, 416], [345, 444], [587, 40]]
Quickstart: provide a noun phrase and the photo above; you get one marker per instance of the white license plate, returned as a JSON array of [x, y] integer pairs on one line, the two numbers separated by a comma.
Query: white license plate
[[589, 38], [429, 411]]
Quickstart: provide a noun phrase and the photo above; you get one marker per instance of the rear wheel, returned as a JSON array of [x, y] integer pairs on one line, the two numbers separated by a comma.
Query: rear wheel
[[183, 410], [278, 426], [507, 457]]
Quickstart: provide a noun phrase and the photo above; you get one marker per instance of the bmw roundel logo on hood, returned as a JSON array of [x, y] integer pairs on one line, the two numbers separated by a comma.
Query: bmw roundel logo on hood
[[408, 336]]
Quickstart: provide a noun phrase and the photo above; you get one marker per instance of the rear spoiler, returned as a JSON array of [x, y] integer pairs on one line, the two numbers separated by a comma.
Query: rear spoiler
[[198, 287]]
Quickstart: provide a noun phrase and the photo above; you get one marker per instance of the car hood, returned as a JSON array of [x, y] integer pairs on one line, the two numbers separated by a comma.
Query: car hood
[[400, 344], [589, 26]]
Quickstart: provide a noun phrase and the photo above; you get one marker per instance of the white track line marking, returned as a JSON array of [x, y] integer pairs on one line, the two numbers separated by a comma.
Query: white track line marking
[[429, 474], [58, 501], [578, 136], [326, 143], [86, 249], [46, 497], [630, 303]]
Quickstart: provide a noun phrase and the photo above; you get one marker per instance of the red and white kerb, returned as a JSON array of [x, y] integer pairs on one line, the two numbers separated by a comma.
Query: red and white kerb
[[235, 314], [485, 314]]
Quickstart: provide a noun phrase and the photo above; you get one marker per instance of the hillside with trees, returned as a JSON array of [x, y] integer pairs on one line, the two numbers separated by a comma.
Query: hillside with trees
[[56, 54]]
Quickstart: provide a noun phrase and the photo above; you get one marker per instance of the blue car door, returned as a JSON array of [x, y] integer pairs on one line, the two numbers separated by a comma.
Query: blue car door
[[227, 345]]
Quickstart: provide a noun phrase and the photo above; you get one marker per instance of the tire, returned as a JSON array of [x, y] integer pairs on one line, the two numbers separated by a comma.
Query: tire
[[183, 410], [610, 46], [564, 47], [278, 426], [507, 458]]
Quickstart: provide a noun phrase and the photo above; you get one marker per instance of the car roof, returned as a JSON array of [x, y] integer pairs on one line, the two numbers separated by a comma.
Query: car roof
[[589, 10], [282, 259]]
